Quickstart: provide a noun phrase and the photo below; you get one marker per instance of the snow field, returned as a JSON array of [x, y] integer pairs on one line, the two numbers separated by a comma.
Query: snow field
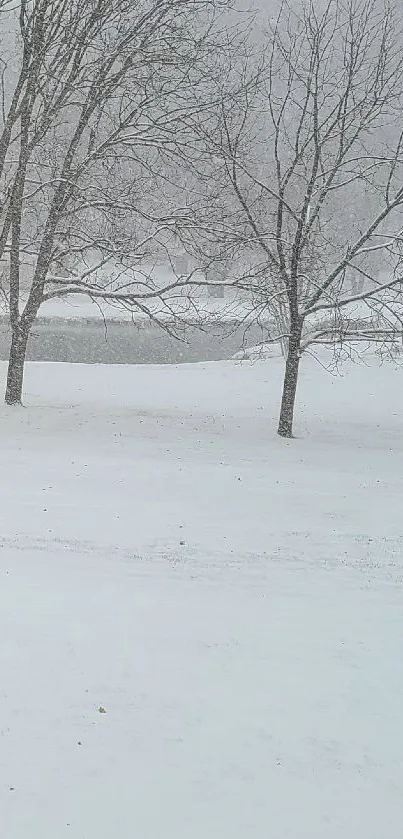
[[232, 600]]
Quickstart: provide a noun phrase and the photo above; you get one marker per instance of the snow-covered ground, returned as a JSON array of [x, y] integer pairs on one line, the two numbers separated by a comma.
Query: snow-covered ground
[[202, 308], [232, 600]]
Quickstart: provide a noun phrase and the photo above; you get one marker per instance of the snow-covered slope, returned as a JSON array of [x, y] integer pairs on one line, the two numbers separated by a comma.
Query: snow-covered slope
[[232, 600]]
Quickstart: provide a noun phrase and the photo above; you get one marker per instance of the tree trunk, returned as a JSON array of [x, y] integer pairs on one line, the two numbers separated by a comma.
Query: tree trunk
[[16, 362], [290, 384]]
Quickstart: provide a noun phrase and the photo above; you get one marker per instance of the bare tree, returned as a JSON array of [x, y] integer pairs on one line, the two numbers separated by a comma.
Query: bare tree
[[97, 105], [311, 149]]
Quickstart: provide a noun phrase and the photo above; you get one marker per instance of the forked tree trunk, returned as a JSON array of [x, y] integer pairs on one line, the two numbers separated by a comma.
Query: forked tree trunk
[[286, 420], [16, 363]]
